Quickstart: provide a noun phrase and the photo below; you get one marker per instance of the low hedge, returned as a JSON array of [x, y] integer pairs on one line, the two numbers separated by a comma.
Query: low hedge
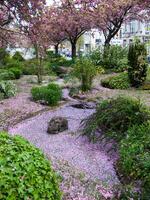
[[51, 94], [24, 171]]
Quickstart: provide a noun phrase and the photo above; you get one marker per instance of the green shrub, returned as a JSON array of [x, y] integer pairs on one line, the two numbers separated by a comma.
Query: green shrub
[[137, 69], [134, 160], [17, 72], [8, 88], [115, 116], [97, 57], [120, 81], [24, 171], [114, 58], [6, 75], [17, 56], [85, 71], [51, 94]]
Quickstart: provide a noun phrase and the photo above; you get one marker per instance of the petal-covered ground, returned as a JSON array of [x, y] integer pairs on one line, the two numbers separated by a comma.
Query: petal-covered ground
[[69, 147]]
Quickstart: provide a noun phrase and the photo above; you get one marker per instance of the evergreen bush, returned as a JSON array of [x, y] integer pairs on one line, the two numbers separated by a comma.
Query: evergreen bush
[[137, 70]]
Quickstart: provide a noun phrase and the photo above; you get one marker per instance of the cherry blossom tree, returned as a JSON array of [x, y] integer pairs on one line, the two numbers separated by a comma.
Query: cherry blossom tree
[[72, 21], [109, 15], [19, 9], [38, 39], [54, 33]]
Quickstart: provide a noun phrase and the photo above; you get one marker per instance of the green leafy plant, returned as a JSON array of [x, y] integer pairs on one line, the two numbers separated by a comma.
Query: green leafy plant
[[8, 88], [85, 71], [134, 160], [115, 116], [25, 172], [51, 94], [138, 65], [120, 81]]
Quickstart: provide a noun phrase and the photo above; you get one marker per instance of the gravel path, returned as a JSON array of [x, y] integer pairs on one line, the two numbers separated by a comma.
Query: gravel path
[[68, 146]]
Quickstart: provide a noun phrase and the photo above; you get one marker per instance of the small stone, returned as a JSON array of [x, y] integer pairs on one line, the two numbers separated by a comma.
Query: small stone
[[57, 125]]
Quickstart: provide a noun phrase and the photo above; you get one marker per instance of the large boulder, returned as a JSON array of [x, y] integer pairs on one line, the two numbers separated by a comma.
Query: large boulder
[[57, 125]]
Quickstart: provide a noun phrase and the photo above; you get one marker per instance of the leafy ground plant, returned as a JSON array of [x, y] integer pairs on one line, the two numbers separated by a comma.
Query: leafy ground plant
[[24, 172]]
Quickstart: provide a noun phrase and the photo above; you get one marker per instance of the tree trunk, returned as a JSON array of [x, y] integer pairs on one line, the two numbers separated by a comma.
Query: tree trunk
[[73, 49], [39, 65], [40, 71], [56, 49]]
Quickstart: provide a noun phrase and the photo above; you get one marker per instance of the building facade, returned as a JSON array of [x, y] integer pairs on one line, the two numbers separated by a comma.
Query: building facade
[[127, 34]]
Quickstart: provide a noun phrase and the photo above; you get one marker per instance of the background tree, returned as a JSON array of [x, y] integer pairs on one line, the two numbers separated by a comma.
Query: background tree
[[54, 33], [72, 20]]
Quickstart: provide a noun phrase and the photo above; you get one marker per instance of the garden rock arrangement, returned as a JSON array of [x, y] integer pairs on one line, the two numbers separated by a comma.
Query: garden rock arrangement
[[84, 105], [57, 124]]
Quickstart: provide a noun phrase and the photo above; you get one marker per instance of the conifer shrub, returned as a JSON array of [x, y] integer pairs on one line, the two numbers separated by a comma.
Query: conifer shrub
[[137, 70]]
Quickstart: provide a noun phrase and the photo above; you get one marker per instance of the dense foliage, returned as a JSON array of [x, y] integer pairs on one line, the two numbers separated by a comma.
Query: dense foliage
[[134, 160], [7, 88], [24, 172], [138, 65], [120, 81], [115, 116], [50, 94], [113, 58]]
